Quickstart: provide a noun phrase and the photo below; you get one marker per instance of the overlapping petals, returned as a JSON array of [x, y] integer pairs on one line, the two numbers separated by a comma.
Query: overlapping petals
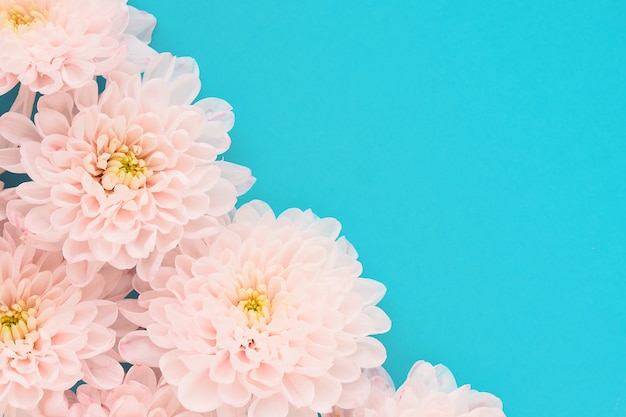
[[50, 45], [142, 393], [270, 313], [427, 392], [52, 334], [122, 176], [241, 313]]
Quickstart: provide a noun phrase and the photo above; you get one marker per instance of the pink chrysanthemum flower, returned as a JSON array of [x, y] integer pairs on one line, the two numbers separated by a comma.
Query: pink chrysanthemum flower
[[50, 45], [52, 334], [269, 313], [123, 176], [141, 393], [428, 391]]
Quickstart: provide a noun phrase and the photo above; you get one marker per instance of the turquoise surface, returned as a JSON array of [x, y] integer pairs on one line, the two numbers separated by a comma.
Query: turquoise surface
[[475, 154]]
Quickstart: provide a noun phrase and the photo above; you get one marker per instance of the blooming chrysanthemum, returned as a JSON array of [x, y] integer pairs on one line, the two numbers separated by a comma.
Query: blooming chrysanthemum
[[52, 334], [48, 45], [123, 176], [141, 393], [269, 313], [427, 392]]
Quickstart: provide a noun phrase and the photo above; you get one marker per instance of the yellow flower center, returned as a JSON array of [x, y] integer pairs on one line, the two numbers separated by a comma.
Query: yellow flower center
[[18, 320], [256, 306], [22, 14], [336, 412], [123, 165]]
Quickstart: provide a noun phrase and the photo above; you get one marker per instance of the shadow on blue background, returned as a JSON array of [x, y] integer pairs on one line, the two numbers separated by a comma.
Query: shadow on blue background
[[473, 152]]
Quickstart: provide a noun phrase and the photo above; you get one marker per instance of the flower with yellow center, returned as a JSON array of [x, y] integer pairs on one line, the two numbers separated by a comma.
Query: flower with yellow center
[[123, 165], [52, 333], [269, 314], [256, 306], [18, 320], [129, 171], [57, 45], [22, 15]]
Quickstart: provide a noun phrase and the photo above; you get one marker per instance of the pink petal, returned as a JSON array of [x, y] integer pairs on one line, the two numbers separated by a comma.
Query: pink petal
[[234, 393], [184, 89], [142, 374], [220, 110], [274, 406], [140, 25], [103, 372], [382, 322], [197, 392], [76, 72], [22, 397], [137, 348], [33, 192], [354, 393], [81, 273], [327, 392], [299, 389], [372, 291], [18, 129], [370, 353], [11, 160], [240, 176], [51, 122]]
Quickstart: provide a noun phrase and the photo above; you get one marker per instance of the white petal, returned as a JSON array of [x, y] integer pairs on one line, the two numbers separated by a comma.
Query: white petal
[[239, 175], [141, 24]]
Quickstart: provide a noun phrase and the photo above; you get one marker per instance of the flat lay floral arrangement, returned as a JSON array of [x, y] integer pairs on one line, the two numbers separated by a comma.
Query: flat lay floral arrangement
[[131, 285]]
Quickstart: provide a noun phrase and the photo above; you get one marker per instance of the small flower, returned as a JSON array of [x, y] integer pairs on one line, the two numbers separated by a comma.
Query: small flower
[[428, 391], [122, 177], [270, 314], [50, 45], [52, 334], [142, 393]]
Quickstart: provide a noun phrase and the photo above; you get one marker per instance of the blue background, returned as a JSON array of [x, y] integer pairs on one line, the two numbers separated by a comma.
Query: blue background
[[474, 153]]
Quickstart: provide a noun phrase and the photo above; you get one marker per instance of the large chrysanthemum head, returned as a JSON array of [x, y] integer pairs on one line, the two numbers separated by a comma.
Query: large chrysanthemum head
[[428, 391], [122, 176], [52, 334], [50, 45], [270, 313]]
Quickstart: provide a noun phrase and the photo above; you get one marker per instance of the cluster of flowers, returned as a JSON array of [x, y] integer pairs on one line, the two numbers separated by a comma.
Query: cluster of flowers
[[236, 312]]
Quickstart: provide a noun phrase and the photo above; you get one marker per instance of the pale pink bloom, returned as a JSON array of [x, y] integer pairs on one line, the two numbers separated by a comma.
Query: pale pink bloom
[[50, 45], [429, 391], [270, 314], [379, 398], [122, 177], [52, 334], [141, 394]]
